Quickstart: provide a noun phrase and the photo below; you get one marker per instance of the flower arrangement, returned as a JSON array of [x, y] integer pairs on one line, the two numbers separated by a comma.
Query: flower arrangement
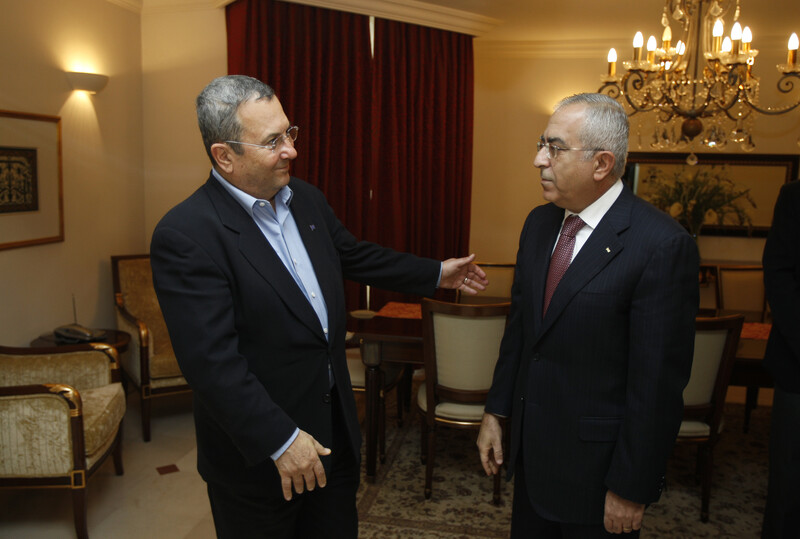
[[699, 196]]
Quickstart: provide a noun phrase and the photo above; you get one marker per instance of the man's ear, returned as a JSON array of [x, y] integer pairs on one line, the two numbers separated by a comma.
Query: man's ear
[[222, 155], [603, 165]]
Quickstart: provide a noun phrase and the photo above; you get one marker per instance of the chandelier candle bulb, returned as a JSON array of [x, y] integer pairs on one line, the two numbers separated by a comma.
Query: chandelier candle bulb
[[747, 39], [716, 33], [612, 62], [736, 38], [791, 59], [727, 44], [666, 39], [651, 49], [638, 41]]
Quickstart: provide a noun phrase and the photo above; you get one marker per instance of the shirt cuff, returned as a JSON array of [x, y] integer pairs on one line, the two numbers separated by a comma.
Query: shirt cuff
[[439, 280], [277, 454]]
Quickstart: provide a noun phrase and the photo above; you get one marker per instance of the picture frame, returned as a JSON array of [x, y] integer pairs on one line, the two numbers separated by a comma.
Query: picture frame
[[31, 181], [762, 175]]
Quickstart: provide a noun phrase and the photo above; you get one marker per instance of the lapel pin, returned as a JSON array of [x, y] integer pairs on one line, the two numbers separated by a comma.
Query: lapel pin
[[313, 227], [608, 249]]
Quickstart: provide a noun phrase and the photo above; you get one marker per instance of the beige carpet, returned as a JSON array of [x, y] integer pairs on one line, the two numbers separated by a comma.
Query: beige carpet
[[460, 507]]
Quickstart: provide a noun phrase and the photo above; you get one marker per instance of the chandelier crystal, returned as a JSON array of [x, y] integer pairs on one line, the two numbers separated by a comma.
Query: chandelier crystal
[[700, 88]]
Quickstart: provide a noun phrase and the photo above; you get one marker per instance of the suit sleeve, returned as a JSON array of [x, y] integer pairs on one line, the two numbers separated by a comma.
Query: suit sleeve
[[196, 299], [661, 329], [781, 271]]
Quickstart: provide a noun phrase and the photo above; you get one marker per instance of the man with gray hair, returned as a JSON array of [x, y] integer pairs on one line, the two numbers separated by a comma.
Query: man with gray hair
[[249, 274], [599, 342]]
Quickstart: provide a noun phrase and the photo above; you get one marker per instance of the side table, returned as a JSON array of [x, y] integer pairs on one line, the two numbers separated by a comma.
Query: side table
[[118, 339]]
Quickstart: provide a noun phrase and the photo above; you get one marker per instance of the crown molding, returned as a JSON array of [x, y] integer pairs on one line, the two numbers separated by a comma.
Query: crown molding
[[130, 5], [410, 11], [414, 12], [543, 49]]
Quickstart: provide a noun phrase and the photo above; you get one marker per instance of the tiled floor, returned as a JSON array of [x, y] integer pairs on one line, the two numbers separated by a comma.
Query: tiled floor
[[142, 503]]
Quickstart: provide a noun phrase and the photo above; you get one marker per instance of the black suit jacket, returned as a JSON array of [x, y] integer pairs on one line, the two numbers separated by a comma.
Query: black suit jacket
[[594, 389], [782, 282], [247, 340]]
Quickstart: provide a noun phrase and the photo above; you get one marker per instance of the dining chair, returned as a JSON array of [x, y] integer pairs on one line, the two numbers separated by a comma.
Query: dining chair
[[501, 277], [715, 345], [61, 412], [150, 364], [741, 290], [461, 344]]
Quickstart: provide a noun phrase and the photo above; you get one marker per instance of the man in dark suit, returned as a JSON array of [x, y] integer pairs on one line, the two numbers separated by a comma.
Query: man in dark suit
[[593, 364], [782, 360], [249, 274]]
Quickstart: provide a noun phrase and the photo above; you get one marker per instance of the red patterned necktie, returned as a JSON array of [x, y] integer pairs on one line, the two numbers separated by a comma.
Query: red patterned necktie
[[562, 256]]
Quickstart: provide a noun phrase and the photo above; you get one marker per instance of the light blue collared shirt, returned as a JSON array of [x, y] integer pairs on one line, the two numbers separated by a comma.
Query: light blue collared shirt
[[280, 229]]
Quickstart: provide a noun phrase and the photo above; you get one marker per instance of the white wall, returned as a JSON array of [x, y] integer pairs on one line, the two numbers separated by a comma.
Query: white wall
[[182, 51], [102, 157]]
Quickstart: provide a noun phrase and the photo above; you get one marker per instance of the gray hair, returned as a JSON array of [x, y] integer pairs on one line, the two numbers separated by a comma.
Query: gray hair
[[605, 126], [217, 107]]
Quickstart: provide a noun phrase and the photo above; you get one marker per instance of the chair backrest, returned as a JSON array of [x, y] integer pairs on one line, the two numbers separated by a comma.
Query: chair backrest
[[501, 277], [461, 344], [133, 290], [741, 290], [716, 340]]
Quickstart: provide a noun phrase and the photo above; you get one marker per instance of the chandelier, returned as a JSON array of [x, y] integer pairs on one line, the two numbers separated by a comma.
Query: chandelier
[[700, 88]]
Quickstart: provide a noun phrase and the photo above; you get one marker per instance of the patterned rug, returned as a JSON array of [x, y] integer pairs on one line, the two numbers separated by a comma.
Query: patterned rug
[[460, 507]]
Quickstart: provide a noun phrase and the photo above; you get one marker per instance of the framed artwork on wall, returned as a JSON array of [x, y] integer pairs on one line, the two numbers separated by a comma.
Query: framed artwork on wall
[[734, 194], [31, 197]]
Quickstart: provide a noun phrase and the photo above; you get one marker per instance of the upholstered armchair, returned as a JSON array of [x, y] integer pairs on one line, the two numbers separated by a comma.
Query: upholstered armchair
[[61, 413], [150, 363]]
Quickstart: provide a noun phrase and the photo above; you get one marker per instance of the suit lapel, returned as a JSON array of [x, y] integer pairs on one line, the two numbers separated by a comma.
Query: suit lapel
[[262, 257], [542, 240], [599, 250]]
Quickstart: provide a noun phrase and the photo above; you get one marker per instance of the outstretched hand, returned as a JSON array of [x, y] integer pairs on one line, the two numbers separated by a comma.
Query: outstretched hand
[[462, 274]]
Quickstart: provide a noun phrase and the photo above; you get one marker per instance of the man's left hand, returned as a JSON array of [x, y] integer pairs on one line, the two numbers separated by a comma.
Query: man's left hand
[[621, 515], [462, 274]]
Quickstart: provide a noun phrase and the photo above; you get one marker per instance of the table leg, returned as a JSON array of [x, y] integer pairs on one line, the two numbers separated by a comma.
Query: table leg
[[750, 403], [371, 356]]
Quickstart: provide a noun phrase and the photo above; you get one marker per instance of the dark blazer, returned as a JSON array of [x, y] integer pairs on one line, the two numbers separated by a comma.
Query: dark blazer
[[594, 390], [782, 282], [247, 340]]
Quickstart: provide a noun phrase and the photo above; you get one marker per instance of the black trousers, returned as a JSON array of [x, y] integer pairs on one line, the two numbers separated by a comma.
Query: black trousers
[[527, 523], [328, 512], [782, 514]]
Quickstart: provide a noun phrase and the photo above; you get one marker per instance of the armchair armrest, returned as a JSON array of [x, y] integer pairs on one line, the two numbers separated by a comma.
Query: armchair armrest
[[136, 361], [45, 423]]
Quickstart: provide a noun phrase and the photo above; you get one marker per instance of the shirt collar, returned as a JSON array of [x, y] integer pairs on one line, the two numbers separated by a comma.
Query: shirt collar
[[284, 196], [594, 212]]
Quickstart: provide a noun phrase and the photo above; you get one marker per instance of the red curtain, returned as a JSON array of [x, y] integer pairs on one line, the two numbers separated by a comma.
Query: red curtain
[[388, 140]]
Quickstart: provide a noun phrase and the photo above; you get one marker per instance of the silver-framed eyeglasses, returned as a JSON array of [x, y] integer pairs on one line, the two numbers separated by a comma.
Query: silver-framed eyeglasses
[[552, 150], [289, 136]]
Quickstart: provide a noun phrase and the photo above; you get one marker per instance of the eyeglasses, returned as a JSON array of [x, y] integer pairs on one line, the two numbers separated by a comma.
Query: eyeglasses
[[288, 137], [552, 149]]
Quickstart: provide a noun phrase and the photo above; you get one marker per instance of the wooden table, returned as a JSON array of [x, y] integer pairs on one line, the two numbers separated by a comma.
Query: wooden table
[[118, 339], [748, 369], [383, 339]]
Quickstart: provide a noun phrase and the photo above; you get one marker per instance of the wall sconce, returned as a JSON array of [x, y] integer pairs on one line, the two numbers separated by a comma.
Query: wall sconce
[[88, 82]]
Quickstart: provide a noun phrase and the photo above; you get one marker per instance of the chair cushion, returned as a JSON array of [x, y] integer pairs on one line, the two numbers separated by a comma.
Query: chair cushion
[[697, 429], [103, 409], [451, 410]]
